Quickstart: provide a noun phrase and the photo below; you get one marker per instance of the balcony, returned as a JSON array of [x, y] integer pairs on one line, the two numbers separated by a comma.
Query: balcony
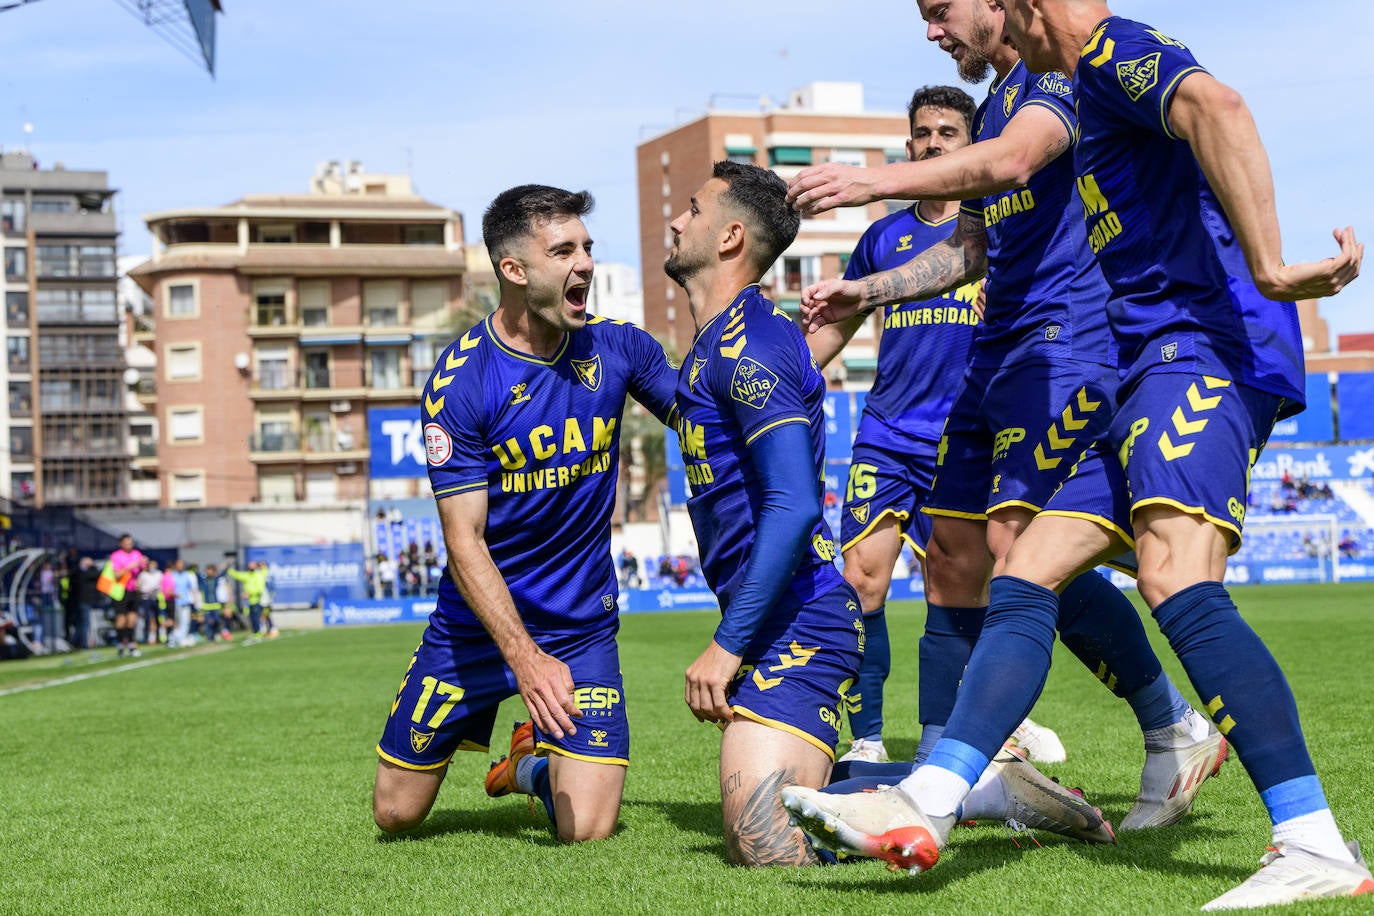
[[275, 446], [145, 389], [145, 491]]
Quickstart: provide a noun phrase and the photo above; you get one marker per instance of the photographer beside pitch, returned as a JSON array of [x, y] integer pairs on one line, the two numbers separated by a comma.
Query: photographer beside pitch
[[521, 419]]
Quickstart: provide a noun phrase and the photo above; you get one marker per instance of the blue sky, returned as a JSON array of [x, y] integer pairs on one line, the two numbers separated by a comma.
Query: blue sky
[[472, 98]]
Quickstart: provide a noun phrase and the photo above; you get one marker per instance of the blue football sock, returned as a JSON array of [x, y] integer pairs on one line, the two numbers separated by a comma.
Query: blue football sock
[[888, 773], [1245, 693], [951, 633], [930, 736], [866, 721], [532, 776], [1101, 627], [1007, 670]]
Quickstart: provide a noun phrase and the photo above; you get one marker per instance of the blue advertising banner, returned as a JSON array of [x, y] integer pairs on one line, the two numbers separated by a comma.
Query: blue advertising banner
[[1314, 424], [368, 611], [1354, 395], [1333, 462], [839, 427], [397, 442], [309, 573], [677, 470]]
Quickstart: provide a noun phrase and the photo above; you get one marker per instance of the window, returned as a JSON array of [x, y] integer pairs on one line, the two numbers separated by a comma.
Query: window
[[429, 304], [316, 368], [97, 261], [382, 302], [21, 399], [423, 352], [76, 306], [16, 263], [386, 368], [18, 351], [76, 260], [12, 215], [181, 300], [276, 433], [789, 155], [273, 368], [277, 488], [321, 487], [21, 443], [185, 424], [52, 204], [188, 489], [318, 426], [277, 233], [432, 234], [855, 157], [21, 485], [269, 305], [312, 298], [315, 232], [183, 361], [17, 309], [799, 273]]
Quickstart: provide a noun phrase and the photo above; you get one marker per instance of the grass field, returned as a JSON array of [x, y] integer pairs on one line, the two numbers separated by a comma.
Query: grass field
[[239, 779]]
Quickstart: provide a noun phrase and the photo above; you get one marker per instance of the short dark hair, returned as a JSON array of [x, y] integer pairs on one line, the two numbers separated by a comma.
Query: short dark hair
[[950, 97], [514, 214], [762, 195]]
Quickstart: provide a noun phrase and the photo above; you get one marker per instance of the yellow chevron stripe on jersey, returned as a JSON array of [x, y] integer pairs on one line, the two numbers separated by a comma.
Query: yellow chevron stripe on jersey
[[433, 406], [735, 350]]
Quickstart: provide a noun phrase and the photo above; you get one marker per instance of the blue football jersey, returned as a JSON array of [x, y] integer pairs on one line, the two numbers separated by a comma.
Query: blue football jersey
[[542, 437], [925, 345], [749, 372], [1045, 296], [1182, 295]]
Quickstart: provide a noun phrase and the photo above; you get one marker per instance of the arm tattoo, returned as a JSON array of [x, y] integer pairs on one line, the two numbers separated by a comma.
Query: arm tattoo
[[941, 267], [759, 833]]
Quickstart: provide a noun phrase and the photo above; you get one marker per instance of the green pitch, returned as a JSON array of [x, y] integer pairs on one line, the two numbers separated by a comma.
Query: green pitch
[[239, 780]]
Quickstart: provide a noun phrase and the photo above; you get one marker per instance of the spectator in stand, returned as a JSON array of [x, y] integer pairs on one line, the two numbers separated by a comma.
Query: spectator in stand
[[1349, 547], [665, 568], [681, 570], [386, 576], [185, 589], [629, 569], [432, 569], [126, 564]]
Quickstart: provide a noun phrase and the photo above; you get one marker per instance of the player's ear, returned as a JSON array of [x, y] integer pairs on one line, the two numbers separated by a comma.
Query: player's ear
[[911, 150], [732, 236], [513, 271]]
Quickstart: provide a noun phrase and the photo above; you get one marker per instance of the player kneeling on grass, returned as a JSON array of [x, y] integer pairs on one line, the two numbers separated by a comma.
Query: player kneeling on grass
[[521, 418]]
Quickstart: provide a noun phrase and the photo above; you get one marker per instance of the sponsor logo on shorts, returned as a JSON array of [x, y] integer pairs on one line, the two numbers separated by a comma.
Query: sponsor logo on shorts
[[1005, 439], [596, 701], [1052, 332], [598, 738]]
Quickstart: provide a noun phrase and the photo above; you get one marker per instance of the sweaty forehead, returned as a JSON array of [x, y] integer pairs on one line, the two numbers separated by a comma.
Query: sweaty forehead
[[551, 230]]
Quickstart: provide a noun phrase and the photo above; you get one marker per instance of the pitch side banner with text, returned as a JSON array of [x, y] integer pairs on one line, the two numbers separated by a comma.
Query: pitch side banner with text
[[310, 573], [397, 441]]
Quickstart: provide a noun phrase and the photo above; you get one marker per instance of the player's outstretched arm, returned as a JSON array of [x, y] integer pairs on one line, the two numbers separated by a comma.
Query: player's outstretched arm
[[943, 266], [1033, 138], [545, 683], [1215, 121], [826, 341]]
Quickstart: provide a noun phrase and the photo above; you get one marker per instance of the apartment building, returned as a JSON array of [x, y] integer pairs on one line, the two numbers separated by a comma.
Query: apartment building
[[280, 321], [66, 421], [823, 122]]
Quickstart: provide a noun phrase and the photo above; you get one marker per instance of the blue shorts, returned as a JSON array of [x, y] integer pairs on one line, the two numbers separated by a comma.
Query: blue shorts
[[1181, 440], [1013, 433], [884, 482], [448, 698], [796, 673]]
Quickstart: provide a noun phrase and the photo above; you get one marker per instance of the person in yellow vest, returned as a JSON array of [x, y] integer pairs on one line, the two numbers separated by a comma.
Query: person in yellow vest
[[254, 582]]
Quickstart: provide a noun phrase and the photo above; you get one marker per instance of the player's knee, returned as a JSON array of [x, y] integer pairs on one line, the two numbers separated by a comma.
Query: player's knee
[[586, 826], [872, 588], [392, 819]]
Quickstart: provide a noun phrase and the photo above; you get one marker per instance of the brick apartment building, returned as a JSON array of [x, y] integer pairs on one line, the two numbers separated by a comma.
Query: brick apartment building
[[824, 122], [279, 321]]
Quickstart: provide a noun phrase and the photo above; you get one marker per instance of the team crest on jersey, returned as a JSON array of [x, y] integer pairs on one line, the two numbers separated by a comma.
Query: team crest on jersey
[[1138, 76], [697, 364], [903, 243], [1052, 331], [1054, 83], [1165, 39], [860, 513], [517, 393], [420, 740], [588, 371], [752, 383], [1169, 351], [1009, 99]]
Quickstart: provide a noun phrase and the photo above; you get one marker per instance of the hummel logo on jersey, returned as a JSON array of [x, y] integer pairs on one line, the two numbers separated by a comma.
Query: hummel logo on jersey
[[588, 371], [903, 243], [1169, 351], [518, 395], [1052, 331]]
